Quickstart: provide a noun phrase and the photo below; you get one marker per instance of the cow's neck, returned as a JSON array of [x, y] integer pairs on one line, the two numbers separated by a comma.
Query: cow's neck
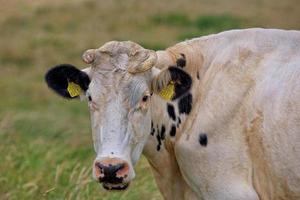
[[159, 149], [166, 119], [169, 120]]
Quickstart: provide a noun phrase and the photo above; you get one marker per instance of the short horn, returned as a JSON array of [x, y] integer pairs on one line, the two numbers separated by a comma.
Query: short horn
[[147, 64], [89, 56]]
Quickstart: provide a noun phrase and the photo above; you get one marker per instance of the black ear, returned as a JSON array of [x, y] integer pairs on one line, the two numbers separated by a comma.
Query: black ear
[[171, 83], [60, 76], [182, 81]]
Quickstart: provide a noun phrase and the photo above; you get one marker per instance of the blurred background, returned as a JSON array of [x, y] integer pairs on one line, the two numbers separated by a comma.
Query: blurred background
[[46, 149]]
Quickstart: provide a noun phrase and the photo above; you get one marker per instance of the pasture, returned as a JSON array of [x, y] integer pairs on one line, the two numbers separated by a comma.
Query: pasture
[[46, 149]]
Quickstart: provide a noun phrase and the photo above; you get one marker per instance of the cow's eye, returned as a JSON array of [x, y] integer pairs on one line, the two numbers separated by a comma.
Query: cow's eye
[[145, 98]]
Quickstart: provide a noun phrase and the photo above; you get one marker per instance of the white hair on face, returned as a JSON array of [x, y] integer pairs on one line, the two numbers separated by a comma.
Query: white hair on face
[[120, 122], [137, 89]]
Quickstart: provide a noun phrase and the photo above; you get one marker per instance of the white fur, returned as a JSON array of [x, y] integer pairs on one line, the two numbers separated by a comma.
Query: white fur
[[247, 101]]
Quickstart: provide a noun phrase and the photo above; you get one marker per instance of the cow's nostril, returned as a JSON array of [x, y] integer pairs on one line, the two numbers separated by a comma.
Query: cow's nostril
[[117, 167], [99, 167], [111, 173], [110, 169]]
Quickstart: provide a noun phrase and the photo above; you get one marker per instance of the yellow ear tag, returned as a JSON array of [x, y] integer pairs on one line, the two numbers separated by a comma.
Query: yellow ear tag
[[167, 93], [73, 89]]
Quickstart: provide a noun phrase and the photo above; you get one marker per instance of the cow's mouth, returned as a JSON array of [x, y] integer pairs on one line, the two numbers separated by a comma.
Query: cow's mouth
[[109, 186]]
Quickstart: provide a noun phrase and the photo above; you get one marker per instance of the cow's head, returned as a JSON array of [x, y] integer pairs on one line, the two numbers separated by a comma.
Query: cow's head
[[118, 86]]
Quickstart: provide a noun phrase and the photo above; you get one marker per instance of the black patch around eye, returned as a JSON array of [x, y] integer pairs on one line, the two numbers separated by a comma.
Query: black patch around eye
[[90, 98], [171, 111], [182, 80], [185, 104], [203, 139], [173, 131], [57, 79]]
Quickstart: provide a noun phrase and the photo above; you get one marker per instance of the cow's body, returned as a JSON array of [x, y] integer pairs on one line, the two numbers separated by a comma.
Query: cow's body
[[228, 129], [246, 100]]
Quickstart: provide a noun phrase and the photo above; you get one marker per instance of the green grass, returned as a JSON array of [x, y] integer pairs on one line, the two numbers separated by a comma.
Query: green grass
[[46, 152], [201, 25], [171, 19], [217, 22], [46, 149]]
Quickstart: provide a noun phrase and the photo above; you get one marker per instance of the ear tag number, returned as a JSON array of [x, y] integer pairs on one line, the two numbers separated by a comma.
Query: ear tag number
[[73, 89], [167, 93]]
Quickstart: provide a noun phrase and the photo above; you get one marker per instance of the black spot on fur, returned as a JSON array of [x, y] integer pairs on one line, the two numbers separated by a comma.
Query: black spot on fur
[[162, 132], [178, 121], [158, 138], [159, 142], [57, 79], [182, 80], [171, 111], [203, 139], [173, 131], [185, 104], [198, 75], [181, 62], [152, 129]]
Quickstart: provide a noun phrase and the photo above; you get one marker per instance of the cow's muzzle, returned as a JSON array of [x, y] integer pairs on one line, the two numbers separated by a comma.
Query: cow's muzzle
[[112, 173]]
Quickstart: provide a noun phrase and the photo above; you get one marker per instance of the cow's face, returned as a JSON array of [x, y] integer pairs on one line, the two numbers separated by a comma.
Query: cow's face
[[120, 117], [118, 87]]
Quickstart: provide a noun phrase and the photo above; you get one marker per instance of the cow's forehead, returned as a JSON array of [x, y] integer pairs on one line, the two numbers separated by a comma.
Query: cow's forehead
[[131, 87], [110, 72]]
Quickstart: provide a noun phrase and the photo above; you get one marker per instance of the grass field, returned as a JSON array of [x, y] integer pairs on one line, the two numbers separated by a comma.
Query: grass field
[[45, 142]]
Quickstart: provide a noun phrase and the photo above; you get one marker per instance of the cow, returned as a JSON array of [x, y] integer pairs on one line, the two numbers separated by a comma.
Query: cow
[[217, 117]]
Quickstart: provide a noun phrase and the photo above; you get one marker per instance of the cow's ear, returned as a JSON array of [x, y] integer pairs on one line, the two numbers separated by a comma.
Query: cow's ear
[[67, 81], [171, 83]]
